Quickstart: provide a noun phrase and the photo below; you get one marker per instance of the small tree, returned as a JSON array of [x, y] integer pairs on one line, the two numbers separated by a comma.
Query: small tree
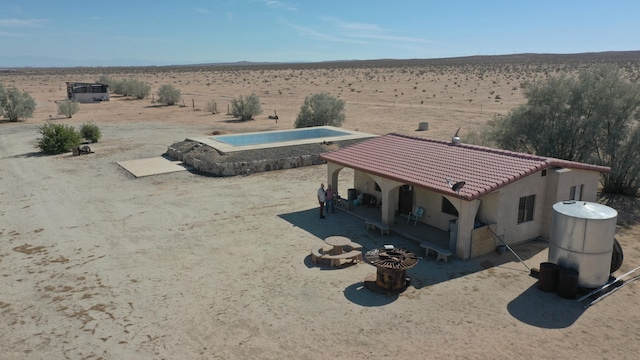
[[68, 108], [320, 110], [57, 138], [167, 94], [246, 107], [91, 132], [593, 117], [16, 104]]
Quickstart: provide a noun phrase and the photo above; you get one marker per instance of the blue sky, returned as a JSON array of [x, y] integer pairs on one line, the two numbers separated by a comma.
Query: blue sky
[[139, 32]]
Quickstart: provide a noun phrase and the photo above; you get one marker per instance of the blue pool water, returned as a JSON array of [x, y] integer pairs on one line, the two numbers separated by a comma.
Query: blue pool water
[[279, 136]]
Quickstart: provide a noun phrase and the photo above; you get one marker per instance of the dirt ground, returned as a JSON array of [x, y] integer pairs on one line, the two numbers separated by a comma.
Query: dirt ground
[[98, 264]]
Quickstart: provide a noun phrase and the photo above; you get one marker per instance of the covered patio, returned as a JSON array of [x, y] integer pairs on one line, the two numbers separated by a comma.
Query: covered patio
[[418, 232]]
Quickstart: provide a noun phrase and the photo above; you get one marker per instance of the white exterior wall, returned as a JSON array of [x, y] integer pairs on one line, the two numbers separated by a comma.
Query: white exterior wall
[[507, 209], [433, 208], [89, 97], [560, 182], [488, 211], [499, 207]]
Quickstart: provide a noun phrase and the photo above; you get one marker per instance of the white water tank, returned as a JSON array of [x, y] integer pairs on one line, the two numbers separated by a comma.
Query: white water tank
[[582, 236]]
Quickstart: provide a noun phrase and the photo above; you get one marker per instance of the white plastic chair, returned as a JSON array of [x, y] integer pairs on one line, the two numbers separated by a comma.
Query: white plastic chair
[[415, 215]]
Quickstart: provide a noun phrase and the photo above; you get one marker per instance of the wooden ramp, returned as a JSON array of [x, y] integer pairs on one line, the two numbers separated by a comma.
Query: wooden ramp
[[152, 166], [482, 241]]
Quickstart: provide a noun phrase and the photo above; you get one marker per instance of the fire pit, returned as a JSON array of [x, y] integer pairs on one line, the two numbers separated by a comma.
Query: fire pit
[[392, 265]]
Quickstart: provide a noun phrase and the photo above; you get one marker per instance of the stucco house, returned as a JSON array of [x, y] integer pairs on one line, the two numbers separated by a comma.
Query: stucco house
[[87, 92], [510, 193]]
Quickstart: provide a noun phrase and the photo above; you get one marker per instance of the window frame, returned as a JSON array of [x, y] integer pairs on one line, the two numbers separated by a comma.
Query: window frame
[[526, 208], [575, 192], [447, 207]]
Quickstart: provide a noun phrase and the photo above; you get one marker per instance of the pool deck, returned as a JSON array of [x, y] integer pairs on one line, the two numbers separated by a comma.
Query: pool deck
[[228, 148]]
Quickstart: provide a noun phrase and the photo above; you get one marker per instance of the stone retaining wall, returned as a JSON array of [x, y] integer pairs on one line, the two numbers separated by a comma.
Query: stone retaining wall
[[205, 159]]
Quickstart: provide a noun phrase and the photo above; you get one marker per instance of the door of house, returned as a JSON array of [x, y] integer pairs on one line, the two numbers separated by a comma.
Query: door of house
[[405, 200]]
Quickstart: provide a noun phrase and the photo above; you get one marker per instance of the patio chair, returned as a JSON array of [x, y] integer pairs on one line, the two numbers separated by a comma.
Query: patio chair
[[415, 215]]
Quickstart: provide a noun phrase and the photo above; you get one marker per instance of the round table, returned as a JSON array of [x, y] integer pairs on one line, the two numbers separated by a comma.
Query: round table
[[338, 242]]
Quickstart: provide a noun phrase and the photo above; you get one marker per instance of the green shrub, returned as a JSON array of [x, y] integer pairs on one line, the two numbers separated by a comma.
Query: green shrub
[[139, 89], [57, 138], [106, 80], [246, 107], [320, 110], [127, 87], [118, 86], [68, 108], [16, 104], [91, 132], [167, 94]]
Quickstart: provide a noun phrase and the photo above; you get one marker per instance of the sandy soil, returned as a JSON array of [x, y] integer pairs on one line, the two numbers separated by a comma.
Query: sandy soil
[[97, 264]]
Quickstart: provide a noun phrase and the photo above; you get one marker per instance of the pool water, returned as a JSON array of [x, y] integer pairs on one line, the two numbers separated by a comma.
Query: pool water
[[279, 136]]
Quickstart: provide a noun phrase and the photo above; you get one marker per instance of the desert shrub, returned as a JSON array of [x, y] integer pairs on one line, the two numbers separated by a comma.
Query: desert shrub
[[168, 94], [91, 132], [107, 80], [246, 107], [320, 110], [212, 106], [16, 104], [57, 138], [68, 108], [138, 89], [117, 86], [127, 87]]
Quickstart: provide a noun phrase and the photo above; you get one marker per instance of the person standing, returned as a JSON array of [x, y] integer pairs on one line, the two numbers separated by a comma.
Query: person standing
[[330, 199], [321, 200]]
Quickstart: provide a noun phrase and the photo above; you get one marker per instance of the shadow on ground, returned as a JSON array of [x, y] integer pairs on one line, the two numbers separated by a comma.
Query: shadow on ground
[[545, 309], [427, 271], [359, 294]]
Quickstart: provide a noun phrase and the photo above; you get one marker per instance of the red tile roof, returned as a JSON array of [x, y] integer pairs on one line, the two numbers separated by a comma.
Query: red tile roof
[[428, 163]]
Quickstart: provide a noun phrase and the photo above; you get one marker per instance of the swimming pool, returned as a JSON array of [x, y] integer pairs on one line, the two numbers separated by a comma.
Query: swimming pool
[[277, 138]]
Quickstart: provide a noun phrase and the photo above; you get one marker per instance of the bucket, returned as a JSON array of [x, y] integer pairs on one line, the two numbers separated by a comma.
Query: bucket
[[548, 277], [352, 194], [567, 283]]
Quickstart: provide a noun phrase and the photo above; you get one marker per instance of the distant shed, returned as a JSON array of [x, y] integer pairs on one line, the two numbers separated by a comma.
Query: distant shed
[[87, 92]]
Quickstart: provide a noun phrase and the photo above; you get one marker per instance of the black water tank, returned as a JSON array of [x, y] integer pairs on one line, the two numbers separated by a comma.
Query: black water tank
[[616, 256], [352, 194], [567, 283], [548, 277]]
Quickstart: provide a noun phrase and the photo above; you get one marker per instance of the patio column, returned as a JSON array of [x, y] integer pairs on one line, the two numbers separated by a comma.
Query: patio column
[[466, 220], [389, 191], [332, 176]]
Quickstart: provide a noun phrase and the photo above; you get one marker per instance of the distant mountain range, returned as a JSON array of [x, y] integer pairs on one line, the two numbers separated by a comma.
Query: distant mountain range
[[47, 62], [15, 62]]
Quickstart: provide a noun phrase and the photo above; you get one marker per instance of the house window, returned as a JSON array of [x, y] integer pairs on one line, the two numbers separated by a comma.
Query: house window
[[575, 193], [448, 208], [544, 172], [525, 208]]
